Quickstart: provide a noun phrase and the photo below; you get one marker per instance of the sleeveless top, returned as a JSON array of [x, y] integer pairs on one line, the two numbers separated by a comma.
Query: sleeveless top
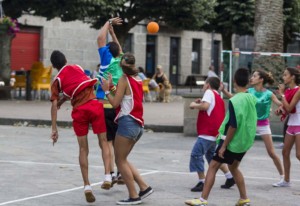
[[159, 79], [136, 110], [72, 80], [246, 117], [263, 102], [209, 124]]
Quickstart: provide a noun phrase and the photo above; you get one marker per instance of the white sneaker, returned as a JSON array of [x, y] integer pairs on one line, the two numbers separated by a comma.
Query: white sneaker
[[279, 146], [282, 183]]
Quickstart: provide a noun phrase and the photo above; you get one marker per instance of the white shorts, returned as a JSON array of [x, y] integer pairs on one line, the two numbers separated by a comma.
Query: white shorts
[[263, 130]]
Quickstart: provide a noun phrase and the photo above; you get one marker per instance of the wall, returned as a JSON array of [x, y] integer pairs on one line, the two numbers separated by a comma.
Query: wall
[[78, 41], [190, 118], [75, 39]]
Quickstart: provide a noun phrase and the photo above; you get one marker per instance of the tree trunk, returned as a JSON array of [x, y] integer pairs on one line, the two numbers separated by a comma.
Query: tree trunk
[[268, 25], [5, 44], [268, 34]]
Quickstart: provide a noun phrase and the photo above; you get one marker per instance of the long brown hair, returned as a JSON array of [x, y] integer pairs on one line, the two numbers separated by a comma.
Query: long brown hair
[[266, 76], [128, 64]]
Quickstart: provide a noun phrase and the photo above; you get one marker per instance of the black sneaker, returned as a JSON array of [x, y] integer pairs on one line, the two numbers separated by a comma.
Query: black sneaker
[[228, 184], [198, 187], [146, 192], [130, 201]]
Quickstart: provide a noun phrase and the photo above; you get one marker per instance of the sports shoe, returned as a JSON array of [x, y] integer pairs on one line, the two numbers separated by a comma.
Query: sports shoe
[[228, 184], [106, 185], [130, 201], [146, 192], [120, 180], [88, 192], [282, 183], [198, 187], [245, 202], [114, 180], [279, 146], [196, 202]]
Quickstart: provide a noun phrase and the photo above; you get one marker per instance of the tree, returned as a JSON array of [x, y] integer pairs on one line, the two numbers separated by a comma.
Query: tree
[[291, 9], [180, 14], [268, 34], [233, 17]]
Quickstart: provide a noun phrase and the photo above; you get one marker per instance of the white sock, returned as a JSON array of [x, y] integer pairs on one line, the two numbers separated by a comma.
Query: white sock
[[282, 177], [228, 175], [201, 180], [87, 188], [107, 177], [203, 200]]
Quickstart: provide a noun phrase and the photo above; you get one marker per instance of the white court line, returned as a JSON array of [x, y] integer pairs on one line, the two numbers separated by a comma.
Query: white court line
[[56, 164], [62, 191], [155, 171], [99, 183]]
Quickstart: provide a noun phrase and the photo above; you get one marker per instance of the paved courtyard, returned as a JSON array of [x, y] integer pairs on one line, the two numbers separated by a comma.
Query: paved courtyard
[[33, 172]]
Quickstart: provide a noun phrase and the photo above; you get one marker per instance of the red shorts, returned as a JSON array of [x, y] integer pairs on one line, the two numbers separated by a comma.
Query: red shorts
[[92, 113]]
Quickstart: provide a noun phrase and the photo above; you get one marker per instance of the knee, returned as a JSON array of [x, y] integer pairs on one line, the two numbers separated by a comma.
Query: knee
[[285, 153], [272, 154], [84, 150]]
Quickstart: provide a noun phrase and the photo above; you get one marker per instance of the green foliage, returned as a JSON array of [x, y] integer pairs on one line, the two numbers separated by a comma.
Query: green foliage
[[291, 10], [233, 17], [181, 14]]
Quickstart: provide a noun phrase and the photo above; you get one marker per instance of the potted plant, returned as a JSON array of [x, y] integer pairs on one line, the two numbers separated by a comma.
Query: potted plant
[[8, 26]]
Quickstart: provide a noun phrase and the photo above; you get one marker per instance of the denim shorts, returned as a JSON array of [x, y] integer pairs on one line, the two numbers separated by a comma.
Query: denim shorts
[[129, 128], [201, 147]]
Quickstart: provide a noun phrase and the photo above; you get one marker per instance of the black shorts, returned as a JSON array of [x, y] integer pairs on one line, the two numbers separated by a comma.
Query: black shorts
[[229, 156], [111, 126]]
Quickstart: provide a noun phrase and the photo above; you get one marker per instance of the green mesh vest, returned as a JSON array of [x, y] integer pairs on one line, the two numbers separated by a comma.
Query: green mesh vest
[[246, 119]]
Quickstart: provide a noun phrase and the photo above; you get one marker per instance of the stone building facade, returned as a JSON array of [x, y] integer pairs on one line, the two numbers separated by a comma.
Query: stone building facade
[[180, 52]]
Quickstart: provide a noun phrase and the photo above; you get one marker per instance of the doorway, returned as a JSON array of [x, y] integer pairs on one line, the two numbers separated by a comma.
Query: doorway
[[174, 60]]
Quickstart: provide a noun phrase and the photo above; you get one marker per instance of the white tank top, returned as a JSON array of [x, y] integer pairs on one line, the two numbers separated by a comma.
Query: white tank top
[[126, 105], [294, 118]]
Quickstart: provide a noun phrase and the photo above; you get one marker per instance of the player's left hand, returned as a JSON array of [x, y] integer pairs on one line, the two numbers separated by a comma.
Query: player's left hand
[[221, 152]]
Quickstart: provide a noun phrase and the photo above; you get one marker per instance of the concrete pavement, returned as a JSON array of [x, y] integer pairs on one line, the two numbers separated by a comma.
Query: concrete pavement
[[34, 173]]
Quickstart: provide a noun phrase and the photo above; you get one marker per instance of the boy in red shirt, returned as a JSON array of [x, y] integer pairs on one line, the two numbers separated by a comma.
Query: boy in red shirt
[[75, 85]]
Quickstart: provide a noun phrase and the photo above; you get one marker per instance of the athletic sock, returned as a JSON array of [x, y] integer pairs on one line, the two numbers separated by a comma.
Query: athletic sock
[[228, 175], [201, 180], [107, 177], [202, 199]]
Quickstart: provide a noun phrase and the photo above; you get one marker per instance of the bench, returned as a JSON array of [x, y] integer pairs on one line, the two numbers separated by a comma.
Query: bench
[[195, 80]]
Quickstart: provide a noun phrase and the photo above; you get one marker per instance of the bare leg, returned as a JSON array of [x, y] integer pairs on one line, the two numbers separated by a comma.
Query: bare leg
[[137, 178], [201, 175], [123, 146], [239, 179], [210, 178], [224, 168], [112, 156], [297, 143], [105, 152], [270, 149], [289, 141], [83, 158]]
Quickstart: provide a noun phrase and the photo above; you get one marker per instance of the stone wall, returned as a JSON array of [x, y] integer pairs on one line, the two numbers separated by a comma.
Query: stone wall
[[190, 118]]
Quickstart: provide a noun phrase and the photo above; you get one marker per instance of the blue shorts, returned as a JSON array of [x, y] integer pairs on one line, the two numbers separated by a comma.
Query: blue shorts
[[202, 147], [129, 128]]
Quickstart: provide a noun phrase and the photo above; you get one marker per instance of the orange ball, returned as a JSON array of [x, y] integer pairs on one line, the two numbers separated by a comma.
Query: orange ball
[[152, 27]]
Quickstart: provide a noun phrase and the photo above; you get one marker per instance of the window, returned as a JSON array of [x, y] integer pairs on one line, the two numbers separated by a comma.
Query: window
[[196, 56]]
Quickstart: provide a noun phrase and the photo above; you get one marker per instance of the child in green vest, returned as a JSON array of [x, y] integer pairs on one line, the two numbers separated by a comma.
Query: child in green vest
[[236, 136]]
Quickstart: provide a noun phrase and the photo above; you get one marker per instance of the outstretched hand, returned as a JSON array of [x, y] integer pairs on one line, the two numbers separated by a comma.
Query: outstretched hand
[[116, 21]]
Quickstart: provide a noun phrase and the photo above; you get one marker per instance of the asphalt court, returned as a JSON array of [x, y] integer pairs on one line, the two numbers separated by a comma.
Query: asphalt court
[[33, 172]]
